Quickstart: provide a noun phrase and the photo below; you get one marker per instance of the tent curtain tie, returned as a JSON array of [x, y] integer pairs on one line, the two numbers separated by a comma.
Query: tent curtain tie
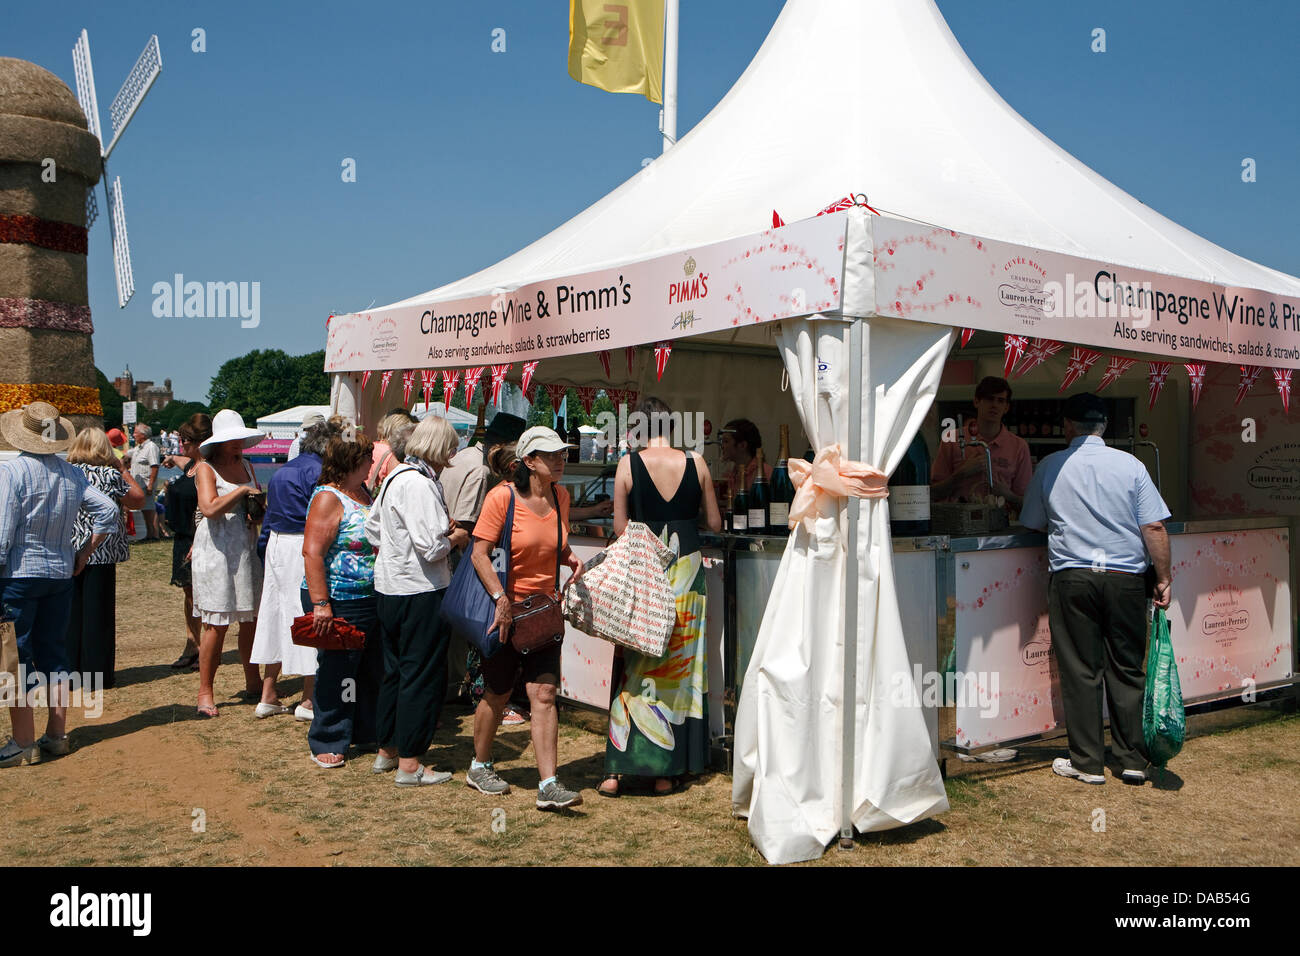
[[819, 485]]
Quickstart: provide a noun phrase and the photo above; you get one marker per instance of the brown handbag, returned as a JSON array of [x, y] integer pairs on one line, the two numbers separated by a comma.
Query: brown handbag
[[538, 620]]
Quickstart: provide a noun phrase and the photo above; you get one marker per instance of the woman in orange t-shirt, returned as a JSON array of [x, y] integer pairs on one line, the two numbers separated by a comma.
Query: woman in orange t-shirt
[[538, 497]]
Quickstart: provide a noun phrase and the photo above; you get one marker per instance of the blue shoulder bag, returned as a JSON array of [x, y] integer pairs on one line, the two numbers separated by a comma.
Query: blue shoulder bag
[[467, 607]]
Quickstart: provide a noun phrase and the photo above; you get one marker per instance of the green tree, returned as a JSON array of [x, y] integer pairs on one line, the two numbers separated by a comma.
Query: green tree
[[175, 413], [265, 381], [111, 401]]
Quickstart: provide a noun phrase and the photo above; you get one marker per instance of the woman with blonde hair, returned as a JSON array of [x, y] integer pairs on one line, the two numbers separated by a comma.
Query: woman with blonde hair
[[92, 628], [410, 527], [384, 459]]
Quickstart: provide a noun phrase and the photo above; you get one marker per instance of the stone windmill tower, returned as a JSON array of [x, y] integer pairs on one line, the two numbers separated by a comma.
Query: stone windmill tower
[[49, 160]]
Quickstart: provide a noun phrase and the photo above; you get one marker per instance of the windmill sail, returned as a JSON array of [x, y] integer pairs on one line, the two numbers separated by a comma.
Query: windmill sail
[[133, 91], [86, 85], [121, 249]]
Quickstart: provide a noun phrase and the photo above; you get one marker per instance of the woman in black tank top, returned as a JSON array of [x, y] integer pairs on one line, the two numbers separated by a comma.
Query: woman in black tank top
[[658, 715]]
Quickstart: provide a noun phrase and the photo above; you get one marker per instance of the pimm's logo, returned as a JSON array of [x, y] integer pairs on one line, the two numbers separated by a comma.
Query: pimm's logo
[[690, 289]]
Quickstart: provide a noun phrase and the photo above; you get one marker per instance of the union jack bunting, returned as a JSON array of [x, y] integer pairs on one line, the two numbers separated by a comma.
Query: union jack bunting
[[1081, 360], [471, 383], [450, 382], [1282, 378], [499, 373], [630, 353], [1115, 367], [427, 378], [587, 397], [408, 380], [556, 394], [604, 362], [1196, 375], [365, 379], [1036, 353], [966, 336], [1013, 349], [1249, 375], [383, 382], [1157, 376], [662, 351], [526, 380]]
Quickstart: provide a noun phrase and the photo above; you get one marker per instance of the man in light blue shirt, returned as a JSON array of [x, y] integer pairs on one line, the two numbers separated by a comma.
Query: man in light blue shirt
[[1103, 517], [40, 494]]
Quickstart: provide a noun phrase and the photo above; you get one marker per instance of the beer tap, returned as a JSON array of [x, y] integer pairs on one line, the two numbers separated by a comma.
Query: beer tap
[[1144, 431], [978, 443]]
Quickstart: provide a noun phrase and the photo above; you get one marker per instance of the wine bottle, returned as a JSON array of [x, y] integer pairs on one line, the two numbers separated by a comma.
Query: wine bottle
[[909, 492], [740, 508], [723, 492], [574, 438], [480, 429], [782, 489], [760, 497]]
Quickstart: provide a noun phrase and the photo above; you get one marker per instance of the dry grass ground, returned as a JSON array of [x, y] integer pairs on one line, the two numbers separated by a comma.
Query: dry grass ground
[[130, 791]]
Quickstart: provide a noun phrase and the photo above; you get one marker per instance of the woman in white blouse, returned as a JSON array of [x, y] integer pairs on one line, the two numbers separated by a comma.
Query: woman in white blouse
[[410, 527]]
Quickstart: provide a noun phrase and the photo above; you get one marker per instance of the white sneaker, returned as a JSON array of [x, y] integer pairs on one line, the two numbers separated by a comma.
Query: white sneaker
[[1135, 777], [1062, 767], [305, 714]]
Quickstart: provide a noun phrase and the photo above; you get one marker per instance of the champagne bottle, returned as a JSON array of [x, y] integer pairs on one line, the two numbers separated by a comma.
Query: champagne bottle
[[480, 429], [740, 508], [723, 491], [909, 492], [574, 438], [760, 497], [782, 488]]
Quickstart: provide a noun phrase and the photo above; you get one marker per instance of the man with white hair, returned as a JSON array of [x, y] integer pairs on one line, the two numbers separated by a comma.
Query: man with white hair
[[144, 469]]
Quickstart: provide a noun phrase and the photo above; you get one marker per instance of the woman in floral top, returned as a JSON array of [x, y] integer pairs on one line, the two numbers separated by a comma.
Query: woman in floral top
[[339, 581], [92, 628]]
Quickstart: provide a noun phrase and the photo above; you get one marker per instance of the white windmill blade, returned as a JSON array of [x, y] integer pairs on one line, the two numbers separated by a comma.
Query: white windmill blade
[[121, 248], [92, 208], [86, 85], [133, 91]]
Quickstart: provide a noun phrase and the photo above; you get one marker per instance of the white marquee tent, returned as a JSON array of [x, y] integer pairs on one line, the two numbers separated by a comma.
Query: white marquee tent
[[873, 96]]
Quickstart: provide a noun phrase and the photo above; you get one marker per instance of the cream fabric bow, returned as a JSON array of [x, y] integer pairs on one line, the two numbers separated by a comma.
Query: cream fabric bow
[[828, 478]]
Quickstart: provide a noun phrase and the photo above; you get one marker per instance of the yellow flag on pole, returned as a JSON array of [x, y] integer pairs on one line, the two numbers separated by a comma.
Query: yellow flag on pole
[[618, 47]]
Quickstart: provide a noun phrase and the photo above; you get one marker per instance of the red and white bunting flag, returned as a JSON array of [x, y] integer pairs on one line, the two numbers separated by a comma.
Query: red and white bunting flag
[[1157, 376], [630, 353], [1249, 375], [526, 380], [604, 362], [966, 336], [383, 382], [587, 397], [556, 394], [1036, 353], [777, 221], [1196, 375], [837, 205], [662, 351], [615, 395], [1115, 367], [472, 376], [450, 382], [427, 378], [499, 373], [365, 379], [408, 380], [1081, 360], [1282, 378], [1013, 348]]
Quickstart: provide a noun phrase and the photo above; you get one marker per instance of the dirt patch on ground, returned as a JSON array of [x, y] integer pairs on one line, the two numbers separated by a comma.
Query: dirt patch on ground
[[149, 784]]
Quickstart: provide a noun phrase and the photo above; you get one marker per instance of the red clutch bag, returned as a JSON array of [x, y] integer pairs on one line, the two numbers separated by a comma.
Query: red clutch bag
[[342, 636]]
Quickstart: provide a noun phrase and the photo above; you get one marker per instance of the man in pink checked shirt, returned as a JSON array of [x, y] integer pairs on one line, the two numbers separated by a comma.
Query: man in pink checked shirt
[[955, 477]]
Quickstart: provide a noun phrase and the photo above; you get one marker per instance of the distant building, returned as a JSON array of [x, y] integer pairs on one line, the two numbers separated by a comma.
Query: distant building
[[153, 397]]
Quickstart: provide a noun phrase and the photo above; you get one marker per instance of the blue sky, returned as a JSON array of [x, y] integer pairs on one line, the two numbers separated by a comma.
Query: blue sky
[[231, 169]]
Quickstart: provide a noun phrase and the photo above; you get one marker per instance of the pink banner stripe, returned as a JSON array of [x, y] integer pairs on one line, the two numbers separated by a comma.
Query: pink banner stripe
[[24, 313]]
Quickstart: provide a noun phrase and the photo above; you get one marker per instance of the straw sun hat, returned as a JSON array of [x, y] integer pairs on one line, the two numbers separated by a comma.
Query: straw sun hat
[[228, 425], [37, 428]]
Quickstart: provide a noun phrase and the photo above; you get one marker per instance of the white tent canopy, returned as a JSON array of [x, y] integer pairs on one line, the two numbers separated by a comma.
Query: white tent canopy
[[862, 96]]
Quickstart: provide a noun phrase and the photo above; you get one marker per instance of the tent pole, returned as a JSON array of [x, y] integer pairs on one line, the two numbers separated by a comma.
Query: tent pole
[[849, 707], [670, 74]]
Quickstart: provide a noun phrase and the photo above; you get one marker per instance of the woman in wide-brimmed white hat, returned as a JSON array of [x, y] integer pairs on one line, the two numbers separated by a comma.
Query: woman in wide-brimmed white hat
[[226, 572]]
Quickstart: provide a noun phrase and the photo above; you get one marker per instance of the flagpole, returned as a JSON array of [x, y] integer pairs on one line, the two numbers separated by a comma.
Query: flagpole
[[670, 74]]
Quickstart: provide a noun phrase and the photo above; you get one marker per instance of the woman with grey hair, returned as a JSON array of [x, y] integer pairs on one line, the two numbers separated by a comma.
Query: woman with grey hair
[[288, 495], [410, 527]]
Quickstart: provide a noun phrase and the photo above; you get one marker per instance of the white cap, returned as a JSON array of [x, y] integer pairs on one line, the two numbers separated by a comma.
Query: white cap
[[539, 438]]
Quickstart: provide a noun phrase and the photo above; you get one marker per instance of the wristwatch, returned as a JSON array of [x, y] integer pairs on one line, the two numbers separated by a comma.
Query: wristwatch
[[324, 603], [498, 596]]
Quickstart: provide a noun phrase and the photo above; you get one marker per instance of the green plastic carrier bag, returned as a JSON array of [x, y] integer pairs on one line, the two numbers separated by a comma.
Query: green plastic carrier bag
[[1164, 723]]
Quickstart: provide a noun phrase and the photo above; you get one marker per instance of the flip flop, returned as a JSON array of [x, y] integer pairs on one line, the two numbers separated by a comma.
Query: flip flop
[[185, 660], [327, 766], [207, 710]]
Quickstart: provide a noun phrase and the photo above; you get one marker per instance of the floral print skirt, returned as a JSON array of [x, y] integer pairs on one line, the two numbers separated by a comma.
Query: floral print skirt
[[658, 713]]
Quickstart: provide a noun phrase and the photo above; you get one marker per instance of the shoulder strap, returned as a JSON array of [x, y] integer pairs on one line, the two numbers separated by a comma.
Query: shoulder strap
[[507, 534], [559, 536], [388, 481]]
